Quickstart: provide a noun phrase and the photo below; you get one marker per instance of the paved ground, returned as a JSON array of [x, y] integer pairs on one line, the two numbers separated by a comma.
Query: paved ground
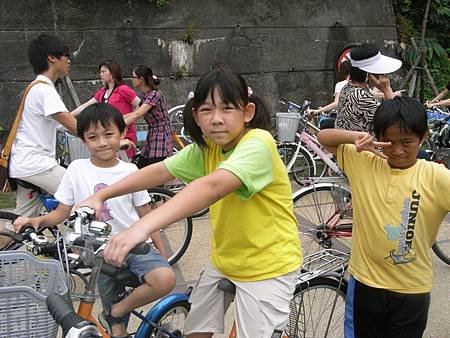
[[196, 256]]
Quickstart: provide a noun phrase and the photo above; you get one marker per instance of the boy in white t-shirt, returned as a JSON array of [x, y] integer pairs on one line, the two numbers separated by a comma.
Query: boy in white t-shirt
[[33, 151], [101, 127]]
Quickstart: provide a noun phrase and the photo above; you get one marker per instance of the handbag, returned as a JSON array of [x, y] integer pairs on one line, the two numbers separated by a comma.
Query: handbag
[[6, 183]]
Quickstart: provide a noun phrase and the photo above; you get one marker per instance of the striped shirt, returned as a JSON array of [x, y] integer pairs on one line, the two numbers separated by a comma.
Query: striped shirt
[[356, 109], [159, 137]]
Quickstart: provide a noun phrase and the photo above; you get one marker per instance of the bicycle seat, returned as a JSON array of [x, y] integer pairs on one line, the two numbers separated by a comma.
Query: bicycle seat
[[27, 185], [122, 275], [227, 286]]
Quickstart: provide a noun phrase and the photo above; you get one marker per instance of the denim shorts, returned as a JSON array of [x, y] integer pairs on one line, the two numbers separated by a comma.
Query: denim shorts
[[111, 293]]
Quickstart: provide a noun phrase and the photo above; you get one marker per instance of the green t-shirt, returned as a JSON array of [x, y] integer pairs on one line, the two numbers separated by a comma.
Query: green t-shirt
[[254, 228]]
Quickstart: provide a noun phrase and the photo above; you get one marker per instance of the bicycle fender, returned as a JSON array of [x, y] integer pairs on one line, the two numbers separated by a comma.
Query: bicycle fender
[[311, 157], [317, 185], [158, 309]]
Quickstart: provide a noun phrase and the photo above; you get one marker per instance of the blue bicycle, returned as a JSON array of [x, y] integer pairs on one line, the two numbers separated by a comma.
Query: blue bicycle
[[165, 319]]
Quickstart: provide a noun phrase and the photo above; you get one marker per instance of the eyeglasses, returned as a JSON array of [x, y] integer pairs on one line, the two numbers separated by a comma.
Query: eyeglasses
[[67, 55]]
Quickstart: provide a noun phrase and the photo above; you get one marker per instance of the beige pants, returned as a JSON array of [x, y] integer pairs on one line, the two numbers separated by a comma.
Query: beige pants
[[262, 307], [28, 203]]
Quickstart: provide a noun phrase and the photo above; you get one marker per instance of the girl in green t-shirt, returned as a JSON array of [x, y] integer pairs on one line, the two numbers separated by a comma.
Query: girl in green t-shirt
[[234, 168]]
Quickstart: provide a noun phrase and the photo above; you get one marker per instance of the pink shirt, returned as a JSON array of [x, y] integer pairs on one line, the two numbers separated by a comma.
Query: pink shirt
[[121, 98]]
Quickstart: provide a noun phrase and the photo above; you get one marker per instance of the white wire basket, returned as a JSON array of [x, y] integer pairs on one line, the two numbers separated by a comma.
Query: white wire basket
[[25, 283], [287, 124], [77, 149]]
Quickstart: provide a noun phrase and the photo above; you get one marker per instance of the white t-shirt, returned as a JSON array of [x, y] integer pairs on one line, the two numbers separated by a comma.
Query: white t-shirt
[[82, 179], [338, 87], [33, 150]]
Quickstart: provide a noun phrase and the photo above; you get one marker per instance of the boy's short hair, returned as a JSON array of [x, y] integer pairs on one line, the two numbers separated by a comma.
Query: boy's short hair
[[102, 113], [407, 112], [41, 47]]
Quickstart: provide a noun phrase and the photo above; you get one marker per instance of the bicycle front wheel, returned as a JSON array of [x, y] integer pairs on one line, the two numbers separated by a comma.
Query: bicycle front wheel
[[176, 236], [171, 320], [317, 309], [441, 246], [303, 165], [325, 218]]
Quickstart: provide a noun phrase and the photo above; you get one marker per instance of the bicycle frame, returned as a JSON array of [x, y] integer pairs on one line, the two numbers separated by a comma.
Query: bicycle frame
[[330, 226]]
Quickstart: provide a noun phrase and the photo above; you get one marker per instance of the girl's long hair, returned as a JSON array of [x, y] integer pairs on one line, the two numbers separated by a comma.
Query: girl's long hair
[[147, 74], [232, 89]]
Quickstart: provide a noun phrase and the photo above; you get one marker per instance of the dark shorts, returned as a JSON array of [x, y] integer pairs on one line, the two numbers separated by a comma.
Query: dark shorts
[[372, 312]]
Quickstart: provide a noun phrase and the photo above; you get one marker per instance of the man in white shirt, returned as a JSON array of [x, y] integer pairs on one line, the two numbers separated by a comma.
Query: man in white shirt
[[33, 152]]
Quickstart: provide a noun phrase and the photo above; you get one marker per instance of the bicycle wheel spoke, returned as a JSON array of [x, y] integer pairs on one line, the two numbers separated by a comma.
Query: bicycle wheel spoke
[[322, 212], [317, 309]]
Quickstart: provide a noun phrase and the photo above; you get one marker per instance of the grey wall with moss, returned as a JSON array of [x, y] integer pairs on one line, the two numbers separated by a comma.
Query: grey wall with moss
[[283, 48]]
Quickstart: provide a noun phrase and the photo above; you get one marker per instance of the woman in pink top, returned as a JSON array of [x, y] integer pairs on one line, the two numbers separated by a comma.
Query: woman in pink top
[[117, 94]]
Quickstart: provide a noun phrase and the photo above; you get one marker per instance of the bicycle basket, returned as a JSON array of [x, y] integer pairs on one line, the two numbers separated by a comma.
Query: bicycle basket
[[77, 149], [25, 283], [287, 124]]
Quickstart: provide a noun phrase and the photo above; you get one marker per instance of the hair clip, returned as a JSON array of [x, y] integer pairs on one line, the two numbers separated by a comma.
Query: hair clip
[[249, 91], [154, 77], [191, 95]]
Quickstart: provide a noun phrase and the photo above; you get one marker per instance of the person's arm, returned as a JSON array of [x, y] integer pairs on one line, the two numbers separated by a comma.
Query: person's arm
[[135, 103], [150, 176], [82, 107], [57, 216], [440, 96], [332, 138], [442, 103], [196, 196], [137, 114], [382, 83], [155, 236], [327, 108], [67, 120]]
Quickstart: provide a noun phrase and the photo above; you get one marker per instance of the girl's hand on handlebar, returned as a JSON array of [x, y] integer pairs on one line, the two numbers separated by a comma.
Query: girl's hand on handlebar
[[120, 245], [20, 222]]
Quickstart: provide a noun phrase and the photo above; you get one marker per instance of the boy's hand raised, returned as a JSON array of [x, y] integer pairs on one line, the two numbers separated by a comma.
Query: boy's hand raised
[[365, 141]]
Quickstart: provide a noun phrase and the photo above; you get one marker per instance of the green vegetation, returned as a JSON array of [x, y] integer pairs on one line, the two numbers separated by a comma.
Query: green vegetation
[[161, 3], [409, 18]]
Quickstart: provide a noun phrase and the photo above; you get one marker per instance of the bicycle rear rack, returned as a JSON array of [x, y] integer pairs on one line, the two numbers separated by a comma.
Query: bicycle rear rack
[[325, 262]]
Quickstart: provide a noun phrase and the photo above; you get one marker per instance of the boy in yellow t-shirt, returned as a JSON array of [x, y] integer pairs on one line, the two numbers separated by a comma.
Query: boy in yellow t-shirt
[[397, 210]]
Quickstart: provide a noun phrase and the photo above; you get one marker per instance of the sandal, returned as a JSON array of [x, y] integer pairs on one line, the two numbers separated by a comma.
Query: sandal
[[107, 321]]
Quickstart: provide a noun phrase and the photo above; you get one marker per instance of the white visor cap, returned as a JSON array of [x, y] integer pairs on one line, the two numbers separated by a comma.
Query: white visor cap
[[378, 64]]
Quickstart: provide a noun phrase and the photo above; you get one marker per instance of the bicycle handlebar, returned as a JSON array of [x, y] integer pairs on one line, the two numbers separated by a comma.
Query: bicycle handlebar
[[73, 326]]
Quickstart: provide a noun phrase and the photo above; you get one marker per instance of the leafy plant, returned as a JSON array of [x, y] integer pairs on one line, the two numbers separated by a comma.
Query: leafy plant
[[161, 3], [189, 34], [434, 31]]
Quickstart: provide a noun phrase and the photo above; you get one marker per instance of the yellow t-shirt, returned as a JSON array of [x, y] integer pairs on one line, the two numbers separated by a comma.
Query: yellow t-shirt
[[396, 217], [254, 228]]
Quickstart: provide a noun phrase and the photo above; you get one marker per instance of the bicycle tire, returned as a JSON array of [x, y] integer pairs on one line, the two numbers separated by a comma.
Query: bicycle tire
[[179, 309], [6, 221], [303, 165], [441, 246], [312, 307], [177, 236], [314, 207]]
